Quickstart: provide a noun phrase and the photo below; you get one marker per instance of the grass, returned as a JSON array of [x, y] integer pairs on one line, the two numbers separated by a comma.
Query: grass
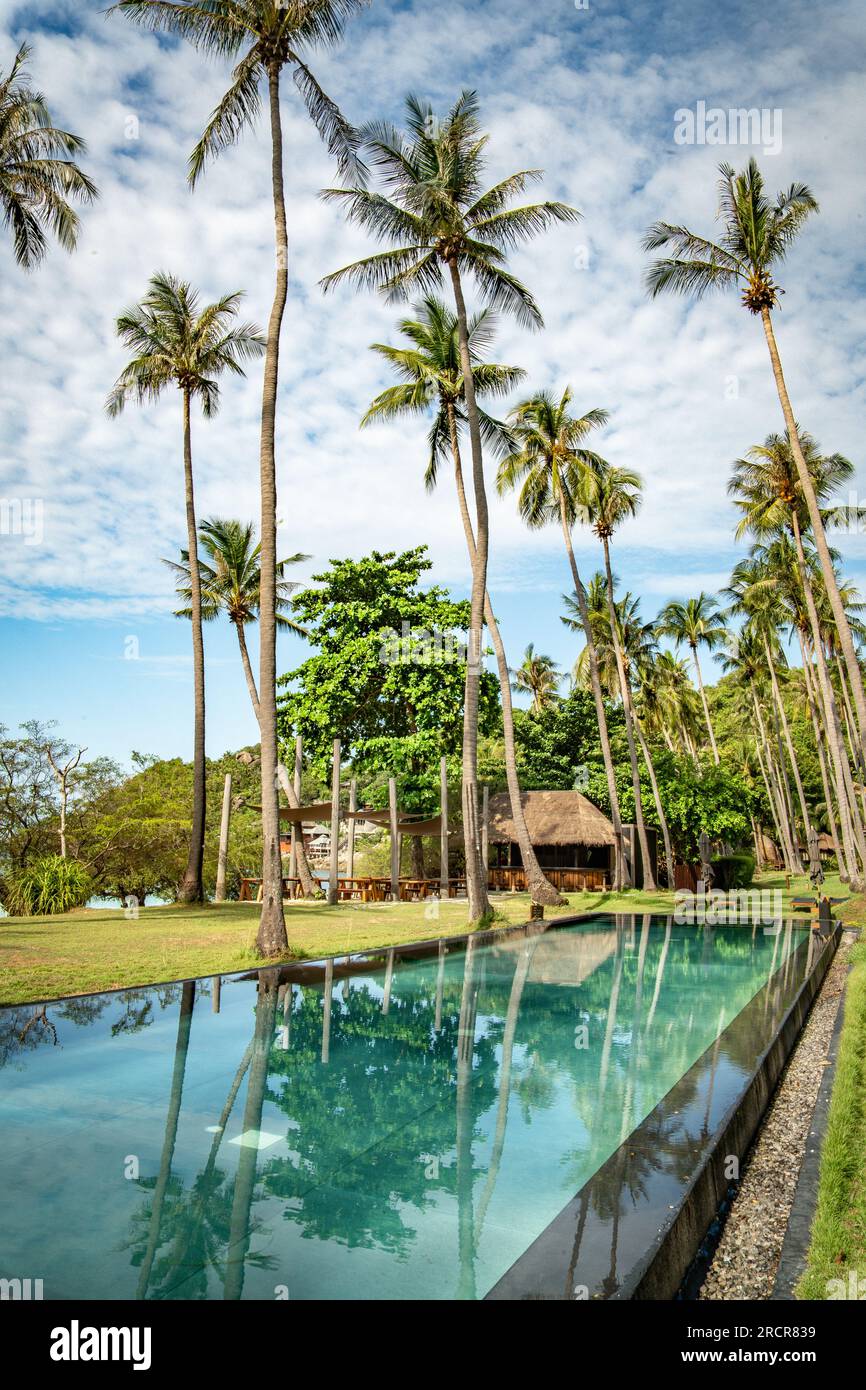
[[87, 951], [838, 1246]]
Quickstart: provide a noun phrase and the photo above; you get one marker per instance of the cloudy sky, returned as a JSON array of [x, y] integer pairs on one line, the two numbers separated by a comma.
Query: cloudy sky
[[589, 92]]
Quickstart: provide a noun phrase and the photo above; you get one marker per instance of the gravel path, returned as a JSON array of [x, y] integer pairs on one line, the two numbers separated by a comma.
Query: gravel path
[[745, 1262]]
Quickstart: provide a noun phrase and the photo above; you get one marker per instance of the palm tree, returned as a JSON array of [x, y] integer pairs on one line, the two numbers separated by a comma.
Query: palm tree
[[538, 676], [265, 36], [766, 489], [176, 344], [671, 705], [783, 568], [439, 222], [745, 662], [639, 650], [432, 380], [757, 235], [230, 584], [549, 463], [608, 496], [38, 177], [697, 622], [754, 594]]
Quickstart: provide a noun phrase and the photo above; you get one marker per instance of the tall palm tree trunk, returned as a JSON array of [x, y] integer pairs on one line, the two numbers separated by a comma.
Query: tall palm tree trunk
[[785, 782], [849, 820], [819, 744], [847, 698], [598, 698], [771, 797], [704, 703], [786, 731], [838, 608], [647, 880], [310, 885], [853, 734], [540, 888], [271, 939], [476, 876], [192, 888], [660, 812], [777, 800], [838, 766]]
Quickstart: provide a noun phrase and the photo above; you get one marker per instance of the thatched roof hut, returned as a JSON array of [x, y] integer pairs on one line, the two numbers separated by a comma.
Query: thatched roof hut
[[552, 818]]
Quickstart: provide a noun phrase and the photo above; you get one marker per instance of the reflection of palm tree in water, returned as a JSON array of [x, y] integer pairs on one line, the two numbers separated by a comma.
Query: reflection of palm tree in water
[[621, 1179], [195, 1232], [521, 973], [240, 1230], [606, 1192], [187, 1000], [465, 1125]]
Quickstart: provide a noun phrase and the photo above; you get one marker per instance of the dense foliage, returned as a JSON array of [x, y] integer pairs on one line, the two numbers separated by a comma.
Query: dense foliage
[[386, 677]]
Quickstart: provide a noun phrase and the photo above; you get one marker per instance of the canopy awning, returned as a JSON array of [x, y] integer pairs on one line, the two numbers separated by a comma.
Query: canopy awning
[[317, 810]]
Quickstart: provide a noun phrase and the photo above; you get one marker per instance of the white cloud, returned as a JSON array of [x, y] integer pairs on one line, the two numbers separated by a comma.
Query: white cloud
[[586, 95]]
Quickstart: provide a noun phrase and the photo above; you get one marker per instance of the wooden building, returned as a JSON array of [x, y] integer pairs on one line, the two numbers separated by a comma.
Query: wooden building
[[573, 841]]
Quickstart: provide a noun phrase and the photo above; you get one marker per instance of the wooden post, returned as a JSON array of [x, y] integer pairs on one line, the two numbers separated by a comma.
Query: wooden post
[[395, 840], [443, 834], [485, 834], [334, 870], [222, 860], [217, 987], [353, 806], [297, 827]]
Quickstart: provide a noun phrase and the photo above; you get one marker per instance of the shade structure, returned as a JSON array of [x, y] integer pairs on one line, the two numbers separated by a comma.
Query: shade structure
[[406, 826], [420, 827], [317, 810]]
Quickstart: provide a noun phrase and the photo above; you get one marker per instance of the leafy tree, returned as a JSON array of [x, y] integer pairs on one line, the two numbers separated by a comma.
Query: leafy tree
[[557, 748], [387, 677]]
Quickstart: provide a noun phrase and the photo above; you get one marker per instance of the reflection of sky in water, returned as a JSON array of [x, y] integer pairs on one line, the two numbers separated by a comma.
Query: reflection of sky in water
[[399, 1171]]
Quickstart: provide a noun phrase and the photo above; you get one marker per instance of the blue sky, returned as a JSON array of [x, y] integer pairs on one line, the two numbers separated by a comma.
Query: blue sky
[[588, 94]]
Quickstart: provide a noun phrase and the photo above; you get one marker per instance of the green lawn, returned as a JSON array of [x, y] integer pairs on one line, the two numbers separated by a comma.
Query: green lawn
[[87, 951], [838, 1249]]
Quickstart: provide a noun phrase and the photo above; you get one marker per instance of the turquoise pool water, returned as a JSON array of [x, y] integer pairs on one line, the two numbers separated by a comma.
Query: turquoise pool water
[[391, 1129]]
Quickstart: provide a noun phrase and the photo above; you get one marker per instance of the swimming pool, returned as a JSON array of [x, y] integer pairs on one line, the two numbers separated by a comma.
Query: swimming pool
[[400, 1125]]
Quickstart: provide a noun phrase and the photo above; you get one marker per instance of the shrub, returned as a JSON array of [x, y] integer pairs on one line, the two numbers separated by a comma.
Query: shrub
[[46, 887], [733, 871]]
